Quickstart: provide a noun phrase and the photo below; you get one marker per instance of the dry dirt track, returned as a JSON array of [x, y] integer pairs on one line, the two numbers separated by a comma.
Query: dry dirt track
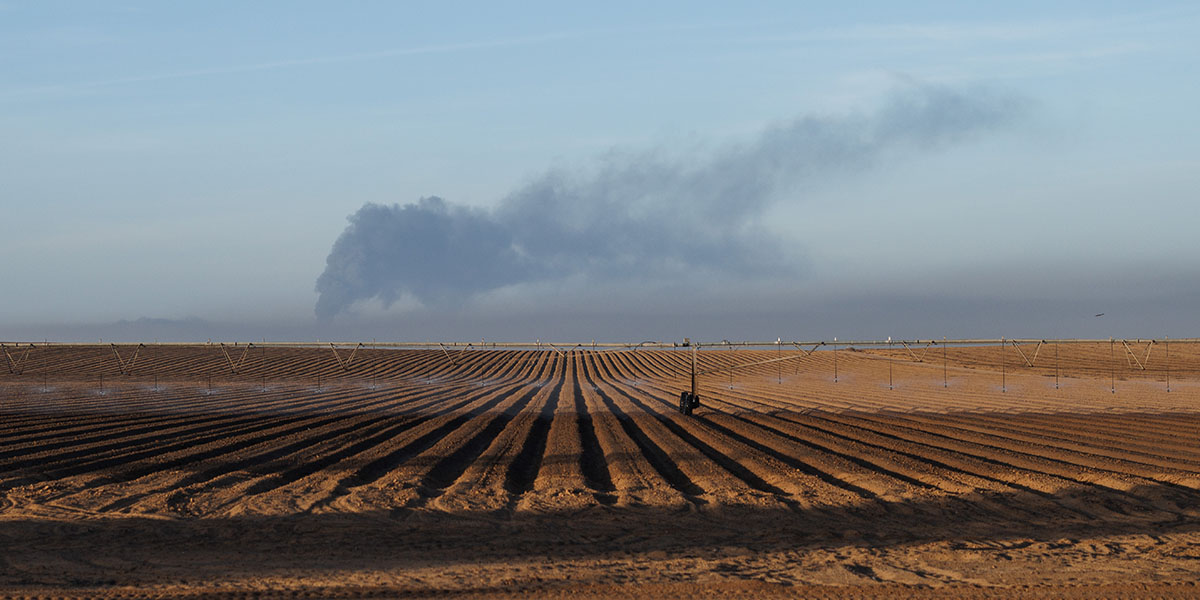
[[504, 472]]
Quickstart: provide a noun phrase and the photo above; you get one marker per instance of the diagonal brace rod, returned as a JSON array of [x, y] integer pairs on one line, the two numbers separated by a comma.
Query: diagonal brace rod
[[14, 366], [126, 367], [809, 350], [910, 352], [1132, 355], [1037, 350], [447, 353], [234, 367], [344, 364], [1021, 352]]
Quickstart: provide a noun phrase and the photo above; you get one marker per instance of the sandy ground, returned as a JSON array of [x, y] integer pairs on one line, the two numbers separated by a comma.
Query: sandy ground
[[966, 475]]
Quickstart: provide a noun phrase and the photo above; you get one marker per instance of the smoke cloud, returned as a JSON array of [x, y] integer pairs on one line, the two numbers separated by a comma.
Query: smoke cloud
[[638, 215]]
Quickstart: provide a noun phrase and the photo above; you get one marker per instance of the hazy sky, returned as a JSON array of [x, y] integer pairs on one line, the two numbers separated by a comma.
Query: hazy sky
[[617, 172]]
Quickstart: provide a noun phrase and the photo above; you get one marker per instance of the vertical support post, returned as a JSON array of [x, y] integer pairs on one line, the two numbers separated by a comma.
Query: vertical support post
[[945, 376], [693, 370], [1112, 364], [262, 357], [1168, 364], [1056, 365], [889, 359], [1003, 368], [778, 364], [835, 370]]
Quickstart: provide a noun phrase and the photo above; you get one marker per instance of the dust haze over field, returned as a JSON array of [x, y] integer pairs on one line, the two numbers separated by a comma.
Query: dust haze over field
[[643, 216]]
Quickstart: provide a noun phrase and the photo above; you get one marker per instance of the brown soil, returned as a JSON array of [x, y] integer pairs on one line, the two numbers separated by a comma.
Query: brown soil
[[548, 474]]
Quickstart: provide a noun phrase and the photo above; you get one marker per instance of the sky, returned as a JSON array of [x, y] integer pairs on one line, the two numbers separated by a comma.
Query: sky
[[460, 171]]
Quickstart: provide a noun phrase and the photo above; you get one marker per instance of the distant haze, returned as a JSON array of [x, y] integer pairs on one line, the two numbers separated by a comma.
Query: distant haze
[[591, 171]]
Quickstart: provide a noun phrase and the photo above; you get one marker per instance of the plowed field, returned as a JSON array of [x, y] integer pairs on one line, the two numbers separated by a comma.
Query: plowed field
[[494, 473]]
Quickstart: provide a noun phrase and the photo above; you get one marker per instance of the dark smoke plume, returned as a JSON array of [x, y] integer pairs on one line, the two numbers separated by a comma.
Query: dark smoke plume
[[635, 215]]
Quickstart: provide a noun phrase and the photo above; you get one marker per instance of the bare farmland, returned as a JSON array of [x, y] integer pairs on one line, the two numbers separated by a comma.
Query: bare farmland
[[493, 473]]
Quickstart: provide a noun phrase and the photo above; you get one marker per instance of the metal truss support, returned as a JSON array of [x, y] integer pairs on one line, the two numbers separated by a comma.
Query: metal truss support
[[126, 367], [447, 353], [921, 358], [16, 366], [1141, 365], [344, 364], [236, 366], [732, 368], [1028, 363]]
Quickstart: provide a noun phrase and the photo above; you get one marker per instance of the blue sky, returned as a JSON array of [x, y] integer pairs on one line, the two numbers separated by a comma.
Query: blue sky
[[196, 163]]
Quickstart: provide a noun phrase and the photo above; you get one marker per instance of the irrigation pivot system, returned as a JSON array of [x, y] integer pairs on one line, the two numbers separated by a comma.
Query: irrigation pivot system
[[268, 360]]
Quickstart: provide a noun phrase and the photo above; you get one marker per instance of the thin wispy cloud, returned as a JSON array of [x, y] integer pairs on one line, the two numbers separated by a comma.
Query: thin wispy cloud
[[356, 57], [1065, 56], [290, 64], [1002, 32]]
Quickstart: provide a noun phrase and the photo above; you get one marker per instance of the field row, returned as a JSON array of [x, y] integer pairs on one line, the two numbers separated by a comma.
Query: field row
[[515, 431]]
